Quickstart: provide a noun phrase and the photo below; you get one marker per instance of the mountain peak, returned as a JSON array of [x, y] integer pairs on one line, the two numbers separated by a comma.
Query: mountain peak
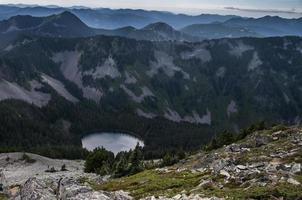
[[159, 26], [67, 15], [67, 19]]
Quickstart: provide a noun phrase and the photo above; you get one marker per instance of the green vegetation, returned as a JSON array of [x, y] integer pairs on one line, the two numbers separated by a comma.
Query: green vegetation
[[226, 137], [104, 162], [196, 87], [3, 197], [151, 182], [284, 191]]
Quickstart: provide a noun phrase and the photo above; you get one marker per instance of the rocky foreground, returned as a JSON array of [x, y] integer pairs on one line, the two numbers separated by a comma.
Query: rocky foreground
[[265, 165], [32, 177]]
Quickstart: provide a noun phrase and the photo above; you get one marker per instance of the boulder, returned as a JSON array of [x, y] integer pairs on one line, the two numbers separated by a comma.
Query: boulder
[[241, 167], [225, 173], [293, 181], [3, 182], [233, 148], [262, 140], [219, 165], [296, 168], [36, 190]]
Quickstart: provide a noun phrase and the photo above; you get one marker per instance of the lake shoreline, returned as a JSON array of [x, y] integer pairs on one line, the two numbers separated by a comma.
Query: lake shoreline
[[111, 141]]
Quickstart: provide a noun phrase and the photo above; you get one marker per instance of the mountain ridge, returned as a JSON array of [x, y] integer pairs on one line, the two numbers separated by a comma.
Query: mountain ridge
[[187, 86]]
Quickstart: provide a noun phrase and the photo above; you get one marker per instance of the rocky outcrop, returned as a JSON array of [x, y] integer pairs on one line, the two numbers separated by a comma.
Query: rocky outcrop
[[265, 158], [64, 189], [36, 190], [183, 197], [42, 179], [268, 161]]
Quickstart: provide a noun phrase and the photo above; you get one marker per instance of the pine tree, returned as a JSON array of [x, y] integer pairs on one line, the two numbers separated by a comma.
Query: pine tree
[[136, 160]]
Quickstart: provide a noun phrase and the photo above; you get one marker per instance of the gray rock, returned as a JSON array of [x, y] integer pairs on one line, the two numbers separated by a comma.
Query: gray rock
[[241, 167], [233, 148], [262, 140], [296, 168], [3, 182], [65, 189], [35, 190], [257, 165], [293, 181], [219, 165], [225, 173]]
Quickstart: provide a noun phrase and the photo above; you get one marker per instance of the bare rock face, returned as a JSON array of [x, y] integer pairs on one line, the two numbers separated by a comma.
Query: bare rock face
[[65, 189], [3, 182], [36, 190], [20, 180]]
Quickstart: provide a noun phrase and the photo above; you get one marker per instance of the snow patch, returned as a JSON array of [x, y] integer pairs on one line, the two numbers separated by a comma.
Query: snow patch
[[59, 87], [10, 90], [239, 48], [108, 68], [255, 62], [17, 172], [195, 118], [221, 72], [205, 119], [138, 99], [172, 115], [130, 79], [165, 62], [286, 98], [141, 113], [232, 108], [203, 54], [11, 28], [9, 47], [69, 61]]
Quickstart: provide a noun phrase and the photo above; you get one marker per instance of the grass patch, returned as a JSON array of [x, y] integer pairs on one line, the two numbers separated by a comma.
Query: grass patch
[[285, 191], [3, 197], [151, 182], [155, 183]]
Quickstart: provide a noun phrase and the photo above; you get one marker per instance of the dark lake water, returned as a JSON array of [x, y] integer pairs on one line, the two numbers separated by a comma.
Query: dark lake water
[[115, 142]]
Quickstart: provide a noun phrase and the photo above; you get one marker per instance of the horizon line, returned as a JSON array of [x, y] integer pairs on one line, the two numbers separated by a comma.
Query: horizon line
[[250, 10]]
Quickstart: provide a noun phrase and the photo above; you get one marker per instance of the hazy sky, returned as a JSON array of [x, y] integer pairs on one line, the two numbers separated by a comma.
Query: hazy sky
[[289, 8]]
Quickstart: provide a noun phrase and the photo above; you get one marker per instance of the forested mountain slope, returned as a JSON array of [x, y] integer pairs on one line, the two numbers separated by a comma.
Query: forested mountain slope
[[198, 88]]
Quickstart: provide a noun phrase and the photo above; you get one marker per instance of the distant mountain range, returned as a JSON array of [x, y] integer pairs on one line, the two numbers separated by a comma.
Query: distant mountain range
[[172, 86], [67, 24], [218, 30], [268, 26], [112, 19], [154, 32]]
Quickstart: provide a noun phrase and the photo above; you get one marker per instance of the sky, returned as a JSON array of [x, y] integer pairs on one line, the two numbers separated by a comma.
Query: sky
[[253, 8]]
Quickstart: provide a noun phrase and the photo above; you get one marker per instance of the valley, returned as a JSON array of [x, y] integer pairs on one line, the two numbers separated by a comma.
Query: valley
[[126, 104], [155, 87]]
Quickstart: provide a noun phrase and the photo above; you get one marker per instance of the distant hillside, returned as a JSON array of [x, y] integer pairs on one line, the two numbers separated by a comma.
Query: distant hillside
[[153, 89], [218, 30], [247, 27], [154, 32], [269, 26], [69, 25], [265, 165], [62, 25]]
